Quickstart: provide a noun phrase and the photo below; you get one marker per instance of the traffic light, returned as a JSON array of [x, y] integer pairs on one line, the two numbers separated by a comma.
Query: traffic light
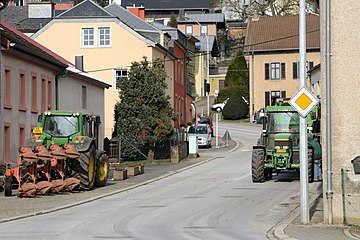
[[3, 4]]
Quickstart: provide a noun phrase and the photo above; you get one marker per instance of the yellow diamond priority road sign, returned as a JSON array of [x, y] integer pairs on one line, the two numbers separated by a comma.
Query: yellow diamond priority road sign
[[303, 101]]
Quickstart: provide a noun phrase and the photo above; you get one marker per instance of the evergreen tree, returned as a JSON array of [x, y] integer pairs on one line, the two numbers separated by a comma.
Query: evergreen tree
[[238, 74], [144, 112]]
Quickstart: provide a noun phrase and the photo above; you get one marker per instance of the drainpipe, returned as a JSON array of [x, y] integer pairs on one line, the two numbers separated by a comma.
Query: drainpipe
[[329, 191], [56, 92], [252, 82]]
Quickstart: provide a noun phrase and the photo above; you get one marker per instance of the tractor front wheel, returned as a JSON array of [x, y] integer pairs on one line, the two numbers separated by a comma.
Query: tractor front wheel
[[257, 165], [102, 170]]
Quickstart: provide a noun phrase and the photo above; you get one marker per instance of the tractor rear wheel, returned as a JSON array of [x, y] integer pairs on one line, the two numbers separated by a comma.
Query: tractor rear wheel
[[311, 165], [84, 168], [101, 170], [8, 186], [257, 165]]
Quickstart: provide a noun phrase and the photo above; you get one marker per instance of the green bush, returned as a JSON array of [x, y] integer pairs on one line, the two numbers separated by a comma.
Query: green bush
[[236, 108], [227, 92]]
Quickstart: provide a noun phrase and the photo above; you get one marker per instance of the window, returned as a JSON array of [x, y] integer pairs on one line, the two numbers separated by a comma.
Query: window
[[7, 88], [84, 97], [296, 68], [49, 92], [272, 96], [275, 71], [34, 94], [7, 142], [43, 95], [88, 37], [104, 36], [189, 30], [21, 135], [120, 74], [178, 71], [22, 96], [204, 30]]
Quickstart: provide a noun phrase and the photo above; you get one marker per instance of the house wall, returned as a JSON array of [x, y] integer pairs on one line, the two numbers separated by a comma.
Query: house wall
[[196, 28], [344, 86], [200, 73], [70, 91], [214, 83], [180, 104], [258, 84], [12, 115], [125, 48]]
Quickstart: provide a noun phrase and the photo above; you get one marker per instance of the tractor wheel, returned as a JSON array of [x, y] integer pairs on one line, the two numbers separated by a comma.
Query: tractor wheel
[[84, 168], [310, 165], [101, 170], [257, 165], [8, 186]]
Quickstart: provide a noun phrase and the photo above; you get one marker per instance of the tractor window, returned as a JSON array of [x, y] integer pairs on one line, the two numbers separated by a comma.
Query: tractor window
[[61, 126], [284, 122]]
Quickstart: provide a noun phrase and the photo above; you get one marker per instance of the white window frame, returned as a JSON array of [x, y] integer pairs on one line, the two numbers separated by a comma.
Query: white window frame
[[85, 37], [119, 73], [275, 71], [189, 29], [106, 42], [203, 30]]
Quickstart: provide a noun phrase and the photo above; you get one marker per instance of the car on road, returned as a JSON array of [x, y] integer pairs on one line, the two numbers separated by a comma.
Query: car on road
[[203, 132], [219, 106], [207, 120]]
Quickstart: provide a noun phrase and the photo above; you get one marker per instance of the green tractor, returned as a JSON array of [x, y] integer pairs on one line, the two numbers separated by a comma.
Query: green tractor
[[278, 146], [62, 154]]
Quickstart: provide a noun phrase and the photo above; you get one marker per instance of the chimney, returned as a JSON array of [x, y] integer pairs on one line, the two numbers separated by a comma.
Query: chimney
[[255, 16], [138, 11], [79, 62], [40, 10]]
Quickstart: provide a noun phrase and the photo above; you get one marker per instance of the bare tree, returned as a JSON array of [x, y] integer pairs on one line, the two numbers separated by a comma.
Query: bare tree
[[245, 9]]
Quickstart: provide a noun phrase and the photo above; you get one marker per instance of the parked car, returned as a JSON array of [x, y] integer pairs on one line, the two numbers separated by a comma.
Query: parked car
[[259, 116], [207, 120], [203, 132], [219, 106]]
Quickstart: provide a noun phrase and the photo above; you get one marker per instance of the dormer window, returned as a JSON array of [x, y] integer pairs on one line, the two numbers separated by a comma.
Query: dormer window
[[189, 30]]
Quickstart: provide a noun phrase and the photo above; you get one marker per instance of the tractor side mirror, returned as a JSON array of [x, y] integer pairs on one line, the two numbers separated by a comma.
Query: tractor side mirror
[[313, 115]]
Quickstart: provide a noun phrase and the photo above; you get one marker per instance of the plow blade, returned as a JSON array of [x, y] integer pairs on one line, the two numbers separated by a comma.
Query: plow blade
[[43, 187], [57, 185], [58, 152], [71, 151], [27, 154], [27, 190], [71, 183], [42, 153]]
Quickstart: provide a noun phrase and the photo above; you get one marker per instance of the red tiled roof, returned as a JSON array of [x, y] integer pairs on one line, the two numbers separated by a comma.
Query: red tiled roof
[[281, 33], [29, 45]]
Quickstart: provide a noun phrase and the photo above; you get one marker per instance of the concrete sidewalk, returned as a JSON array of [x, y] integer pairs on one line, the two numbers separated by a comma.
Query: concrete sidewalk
[[291, 228]]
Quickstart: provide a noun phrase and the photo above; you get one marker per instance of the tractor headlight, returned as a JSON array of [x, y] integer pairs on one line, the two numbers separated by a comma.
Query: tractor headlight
[[285, 147], [277, 147]]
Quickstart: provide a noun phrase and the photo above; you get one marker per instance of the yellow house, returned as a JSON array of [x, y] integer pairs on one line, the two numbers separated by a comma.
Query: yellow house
[[272, 53], [107, 44]]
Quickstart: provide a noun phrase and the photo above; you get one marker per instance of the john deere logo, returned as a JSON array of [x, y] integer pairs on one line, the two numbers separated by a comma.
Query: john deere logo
[[303, 101]]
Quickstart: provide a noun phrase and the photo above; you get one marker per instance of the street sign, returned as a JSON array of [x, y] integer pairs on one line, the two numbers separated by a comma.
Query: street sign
[[303, 101]]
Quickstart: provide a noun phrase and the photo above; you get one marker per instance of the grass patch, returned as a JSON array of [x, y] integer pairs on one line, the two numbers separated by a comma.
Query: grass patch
[[147, 162]]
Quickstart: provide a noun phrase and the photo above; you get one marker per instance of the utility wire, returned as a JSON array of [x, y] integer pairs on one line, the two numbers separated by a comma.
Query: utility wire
[[205, 54]]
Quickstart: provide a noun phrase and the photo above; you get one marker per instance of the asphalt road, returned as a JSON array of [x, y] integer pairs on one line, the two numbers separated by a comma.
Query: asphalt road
[[212, 200]]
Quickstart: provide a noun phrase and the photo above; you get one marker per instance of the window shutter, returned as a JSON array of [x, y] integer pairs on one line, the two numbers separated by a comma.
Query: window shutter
[[267, 71], [311, 65], [267, 99], [295, 71], [283, 94], [283, 72]]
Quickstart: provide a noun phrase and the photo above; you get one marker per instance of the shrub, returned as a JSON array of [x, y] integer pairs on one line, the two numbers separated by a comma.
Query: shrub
[[236, 108], [227, 92]]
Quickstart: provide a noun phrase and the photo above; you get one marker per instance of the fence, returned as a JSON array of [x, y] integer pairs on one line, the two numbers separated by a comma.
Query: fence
[[162, 149], [350, 184]]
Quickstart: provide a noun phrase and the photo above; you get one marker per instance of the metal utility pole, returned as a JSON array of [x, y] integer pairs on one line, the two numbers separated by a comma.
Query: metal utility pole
[[304, 184], [329, 190]]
